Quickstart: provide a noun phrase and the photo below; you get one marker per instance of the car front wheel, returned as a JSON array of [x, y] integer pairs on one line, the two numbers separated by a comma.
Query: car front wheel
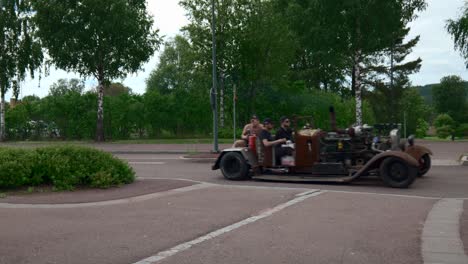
[[234, 167], [424, 164], [397, 173]]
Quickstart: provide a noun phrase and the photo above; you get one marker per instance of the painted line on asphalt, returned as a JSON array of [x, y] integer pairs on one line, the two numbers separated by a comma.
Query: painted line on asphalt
[[147, 162], [388, 194], [441, 242], [111, 202], [184, 246], [441, 162]]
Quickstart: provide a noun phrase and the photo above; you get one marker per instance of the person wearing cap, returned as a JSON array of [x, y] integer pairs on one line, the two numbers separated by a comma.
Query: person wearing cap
[[266, 137], [253, 128]]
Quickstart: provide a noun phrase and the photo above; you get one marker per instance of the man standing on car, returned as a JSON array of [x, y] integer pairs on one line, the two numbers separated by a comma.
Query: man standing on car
[[254, 128]]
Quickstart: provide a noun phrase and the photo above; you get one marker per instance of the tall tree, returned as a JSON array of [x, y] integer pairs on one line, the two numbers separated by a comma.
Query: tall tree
[[458, 28], [388, 73], [254, 45], [449, 97], [20, 50], [106, 39]]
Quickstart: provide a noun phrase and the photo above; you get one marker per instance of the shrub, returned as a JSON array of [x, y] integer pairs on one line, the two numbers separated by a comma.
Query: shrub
[[462, 130], [65, 167], [444, 131], [16, 168], [421, 128], [68, 166]]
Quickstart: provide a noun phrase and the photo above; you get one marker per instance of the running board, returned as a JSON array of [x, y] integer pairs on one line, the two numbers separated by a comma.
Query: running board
[[304, 178]]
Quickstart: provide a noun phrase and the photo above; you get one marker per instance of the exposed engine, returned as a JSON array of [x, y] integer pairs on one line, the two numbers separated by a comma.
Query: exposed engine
[[357, 145]]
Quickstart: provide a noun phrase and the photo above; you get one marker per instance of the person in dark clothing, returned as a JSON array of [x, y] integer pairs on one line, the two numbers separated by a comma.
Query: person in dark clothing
[[265, 136], [285, 130]]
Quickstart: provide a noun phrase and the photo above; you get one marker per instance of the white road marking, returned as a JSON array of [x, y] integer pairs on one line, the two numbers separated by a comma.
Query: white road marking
[[184, 246], [147, 162], [441, 242]]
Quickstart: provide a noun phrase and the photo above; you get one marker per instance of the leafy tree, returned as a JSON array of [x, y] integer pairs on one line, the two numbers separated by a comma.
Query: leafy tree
[[351, 32], [458, 28], [421, 128], [444, 125], [389, 75], [450, 97], [415, 108], [106, 39], [20, 50], [254, 46]]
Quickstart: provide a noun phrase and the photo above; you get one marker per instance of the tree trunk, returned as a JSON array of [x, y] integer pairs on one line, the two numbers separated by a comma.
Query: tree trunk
[[100, 112], [2, 117], [357, 86]]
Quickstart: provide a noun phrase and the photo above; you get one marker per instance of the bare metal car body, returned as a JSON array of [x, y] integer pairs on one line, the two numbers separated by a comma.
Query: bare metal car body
[[337, 156]]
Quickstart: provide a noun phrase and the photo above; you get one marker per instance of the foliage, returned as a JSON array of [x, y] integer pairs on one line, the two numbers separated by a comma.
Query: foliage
[[20, 50], [450, 97], [444, 125], [458, 28], [462, 130], [64, 167], [16, 168], [106, 39], [421, 128], [413, 107]]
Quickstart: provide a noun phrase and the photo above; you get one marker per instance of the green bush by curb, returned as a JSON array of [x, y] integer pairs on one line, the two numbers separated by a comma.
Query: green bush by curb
[[64, 167]]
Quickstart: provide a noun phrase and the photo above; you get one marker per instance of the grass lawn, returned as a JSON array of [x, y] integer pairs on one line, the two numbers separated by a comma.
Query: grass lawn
[[129, 141], [445, 139]]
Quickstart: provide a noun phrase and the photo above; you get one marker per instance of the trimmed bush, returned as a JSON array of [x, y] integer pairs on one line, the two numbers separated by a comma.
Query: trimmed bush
[[16, 168], [64, 167]]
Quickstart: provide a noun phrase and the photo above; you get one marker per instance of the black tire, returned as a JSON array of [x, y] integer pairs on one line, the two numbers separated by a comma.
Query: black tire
[[424, 165], [234, 167], [396, 173]]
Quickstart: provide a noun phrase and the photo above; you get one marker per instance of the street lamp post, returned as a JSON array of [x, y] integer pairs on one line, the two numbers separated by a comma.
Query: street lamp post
[[214, 103]]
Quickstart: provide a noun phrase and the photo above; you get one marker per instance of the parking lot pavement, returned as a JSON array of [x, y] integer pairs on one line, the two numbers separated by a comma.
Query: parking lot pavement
[[329, 228], [127, 232]]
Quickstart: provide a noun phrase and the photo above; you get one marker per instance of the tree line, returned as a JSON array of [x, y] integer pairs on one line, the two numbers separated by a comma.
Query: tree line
[[275, 58]]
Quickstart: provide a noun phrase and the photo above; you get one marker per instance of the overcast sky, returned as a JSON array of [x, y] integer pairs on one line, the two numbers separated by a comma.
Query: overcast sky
[[435, 47]]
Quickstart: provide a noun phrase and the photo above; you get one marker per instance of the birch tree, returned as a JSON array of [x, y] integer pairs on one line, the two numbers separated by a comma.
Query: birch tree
[[104, 39], [20, 51]]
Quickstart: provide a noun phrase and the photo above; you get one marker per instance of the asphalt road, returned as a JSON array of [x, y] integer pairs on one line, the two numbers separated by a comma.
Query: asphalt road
[[220, 221]]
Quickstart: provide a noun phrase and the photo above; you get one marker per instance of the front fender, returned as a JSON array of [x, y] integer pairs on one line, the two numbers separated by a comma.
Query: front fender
[[246, 153], [417, 151], [377, 159]]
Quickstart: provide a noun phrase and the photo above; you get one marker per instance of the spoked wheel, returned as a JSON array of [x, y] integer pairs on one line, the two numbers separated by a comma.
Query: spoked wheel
[[424, 164], [397, 173], [234, 167]]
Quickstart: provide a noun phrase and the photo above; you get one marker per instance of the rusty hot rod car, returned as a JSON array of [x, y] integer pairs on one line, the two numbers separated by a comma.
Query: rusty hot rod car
[[335, 156]]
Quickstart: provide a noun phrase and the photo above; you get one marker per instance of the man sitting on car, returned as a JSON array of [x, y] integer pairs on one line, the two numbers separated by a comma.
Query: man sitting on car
[[265, 136], [283, 132], [253, 128]]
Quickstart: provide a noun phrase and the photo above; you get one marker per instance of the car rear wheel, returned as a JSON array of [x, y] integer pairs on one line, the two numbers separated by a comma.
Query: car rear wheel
[[397, 173], [234, 167], [424, 164]]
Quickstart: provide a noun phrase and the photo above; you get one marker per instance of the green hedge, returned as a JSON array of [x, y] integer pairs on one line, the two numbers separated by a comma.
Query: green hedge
[[64, 167]]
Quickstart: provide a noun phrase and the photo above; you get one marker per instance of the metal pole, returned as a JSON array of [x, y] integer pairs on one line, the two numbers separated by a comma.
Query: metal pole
[[404, 120], [213, 89], [234, 110]]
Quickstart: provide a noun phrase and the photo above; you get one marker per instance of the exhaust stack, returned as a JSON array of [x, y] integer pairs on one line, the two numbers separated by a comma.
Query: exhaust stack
[[332, 119]]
